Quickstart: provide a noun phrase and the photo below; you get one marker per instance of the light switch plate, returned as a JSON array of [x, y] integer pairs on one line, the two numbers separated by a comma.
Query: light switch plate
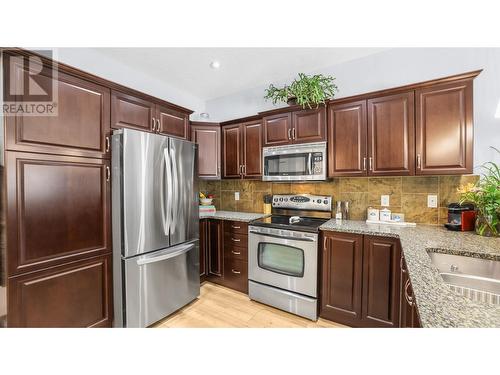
[[384, 200], [236, 195], [432, 201]]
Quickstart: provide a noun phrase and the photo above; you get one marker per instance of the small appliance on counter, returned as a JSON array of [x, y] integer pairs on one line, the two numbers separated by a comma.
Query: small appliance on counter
[[461, 217]]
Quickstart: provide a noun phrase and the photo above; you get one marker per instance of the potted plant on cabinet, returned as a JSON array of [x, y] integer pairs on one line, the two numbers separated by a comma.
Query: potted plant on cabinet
[[485, 195], [307, 91]]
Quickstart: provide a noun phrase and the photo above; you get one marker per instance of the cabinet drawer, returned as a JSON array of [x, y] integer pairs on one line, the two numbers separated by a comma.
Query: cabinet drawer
[[236, 274], [235, 227], [235, 239], [237, 253]]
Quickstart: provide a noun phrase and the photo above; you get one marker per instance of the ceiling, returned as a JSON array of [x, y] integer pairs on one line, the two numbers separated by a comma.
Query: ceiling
[[189, 69]]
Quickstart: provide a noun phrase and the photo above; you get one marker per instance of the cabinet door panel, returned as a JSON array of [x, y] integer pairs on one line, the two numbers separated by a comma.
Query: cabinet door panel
[[347, 126], [231, 144], [309, 125], [381, 282], [73, 295], [80, 127], [215, 248], [58, 210], [203, 247], [129, 111], [172, 122], [341, 278], [208, 140], [277, 129], [252, 149], [391, 128], [445, 129]]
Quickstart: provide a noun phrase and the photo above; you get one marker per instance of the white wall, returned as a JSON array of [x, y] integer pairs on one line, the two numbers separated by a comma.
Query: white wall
[[398, 67], [91, 61]]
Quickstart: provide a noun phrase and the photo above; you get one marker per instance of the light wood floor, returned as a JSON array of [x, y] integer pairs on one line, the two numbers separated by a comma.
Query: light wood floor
[[220, 307]]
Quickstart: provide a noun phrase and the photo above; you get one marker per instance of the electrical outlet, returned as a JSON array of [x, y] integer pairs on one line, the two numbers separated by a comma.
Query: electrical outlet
[[384, 200], [432, 201], [236, 195]]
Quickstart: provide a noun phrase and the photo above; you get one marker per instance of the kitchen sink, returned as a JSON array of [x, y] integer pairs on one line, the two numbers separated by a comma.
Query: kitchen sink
[[474, 278]]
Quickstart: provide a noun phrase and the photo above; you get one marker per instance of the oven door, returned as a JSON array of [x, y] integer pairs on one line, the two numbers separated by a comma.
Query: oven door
[[284, 259]]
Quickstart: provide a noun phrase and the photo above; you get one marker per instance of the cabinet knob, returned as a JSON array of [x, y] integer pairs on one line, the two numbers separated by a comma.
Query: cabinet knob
[[419, 162], [235, 240], [408, 298], [364, 164], [236, 272], [158, 125], [107, 144], [370, 165], [154, 124], [108, 173], [289, 134], [235, 252]]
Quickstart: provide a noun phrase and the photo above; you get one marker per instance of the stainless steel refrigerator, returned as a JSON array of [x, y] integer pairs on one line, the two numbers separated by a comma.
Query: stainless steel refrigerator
[[155, 226]]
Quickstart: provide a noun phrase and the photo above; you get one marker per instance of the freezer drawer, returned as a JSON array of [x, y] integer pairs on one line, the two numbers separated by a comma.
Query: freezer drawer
[[159, 283]]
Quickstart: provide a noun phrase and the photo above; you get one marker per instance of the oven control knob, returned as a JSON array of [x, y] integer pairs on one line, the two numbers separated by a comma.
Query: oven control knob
[[325, 201], [319, 200], [286, 199], [281, 199]]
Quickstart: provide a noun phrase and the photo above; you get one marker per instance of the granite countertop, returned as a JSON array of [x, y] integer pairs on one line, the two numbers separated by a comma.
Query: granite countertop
[[437, 304], [231, 215]]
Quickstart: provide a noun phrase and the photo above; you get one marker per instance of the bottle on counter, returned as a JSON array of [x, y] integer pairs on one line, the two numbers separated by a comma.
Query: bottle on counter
[[345, 210], [338, 213], [268, 200]]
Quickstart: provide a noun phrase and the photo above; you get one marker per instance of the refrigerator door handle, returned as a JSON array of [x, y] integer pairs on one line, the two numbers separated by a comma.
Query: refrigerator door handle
[[175, 190], [167, 211], [164, 256]]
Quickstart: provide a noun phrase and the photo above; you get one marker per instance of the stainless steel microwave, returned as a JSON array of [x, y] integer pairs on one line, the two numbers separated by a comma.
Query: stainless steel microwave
[[301, 162]]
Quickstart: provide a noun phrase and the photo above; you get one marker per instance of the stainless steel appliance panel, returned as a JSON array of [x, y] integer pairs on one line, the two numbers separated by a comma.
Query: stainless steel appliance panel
[[141, 185], [184, 198], [300, 162], [159, 283], [284, 300], [284, 269]]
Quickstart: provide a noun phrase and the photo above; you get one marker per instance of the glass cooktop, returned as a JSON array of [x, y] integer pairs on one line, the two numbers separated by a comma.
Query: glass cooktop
[[307, 224]]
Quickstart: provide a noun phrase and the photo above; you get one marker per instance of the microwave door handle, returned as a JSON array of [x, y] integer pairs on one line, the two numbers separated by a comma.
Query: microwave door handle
[[283, 237], [309, 164], [164, 256]]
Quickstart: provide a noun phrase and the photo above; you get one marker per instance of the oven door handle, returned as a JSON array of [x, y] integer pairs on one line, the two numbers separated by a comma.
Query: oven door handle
[[283, 237]]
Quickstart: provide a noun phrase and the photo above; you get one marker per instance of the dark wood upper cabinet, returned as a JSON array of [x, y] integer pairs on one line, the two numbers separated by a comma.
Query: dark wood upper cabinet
[[381, 282], [277, 129], [58, 210], [309, 125], [231, 151], [444, 129], [172, 122], [79, 127], [301, 126], [341, 279], [77, 294], [209, 151], [215, 248], [242, 150], [391, 135], [347, 128], [128, 111], [252, 149]]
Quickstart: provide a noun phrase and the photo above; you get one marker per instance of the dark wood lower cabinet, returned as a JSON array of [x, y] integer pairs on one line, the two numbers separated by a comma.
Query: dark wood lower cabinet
[[227, 248], [203, 249], [408, 310], [341, 277], [361, 281], [215, 251], [381, 282], [74, 295]]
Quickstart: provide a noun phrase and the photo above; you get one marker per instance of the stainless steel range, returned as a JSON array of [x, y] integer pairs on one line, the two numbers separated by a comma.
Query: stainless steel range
[[283, 253]]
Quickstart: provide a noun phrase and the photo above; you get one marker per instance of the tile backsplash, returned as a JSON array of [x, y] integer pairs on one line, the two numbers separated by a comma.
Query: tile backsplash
[[407, 195]]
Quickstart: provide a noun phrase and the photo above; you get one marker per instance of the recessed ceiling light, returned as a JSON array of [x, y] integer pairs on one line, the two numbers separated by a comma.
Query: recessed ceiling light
[[204, 115], [215, 64]]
